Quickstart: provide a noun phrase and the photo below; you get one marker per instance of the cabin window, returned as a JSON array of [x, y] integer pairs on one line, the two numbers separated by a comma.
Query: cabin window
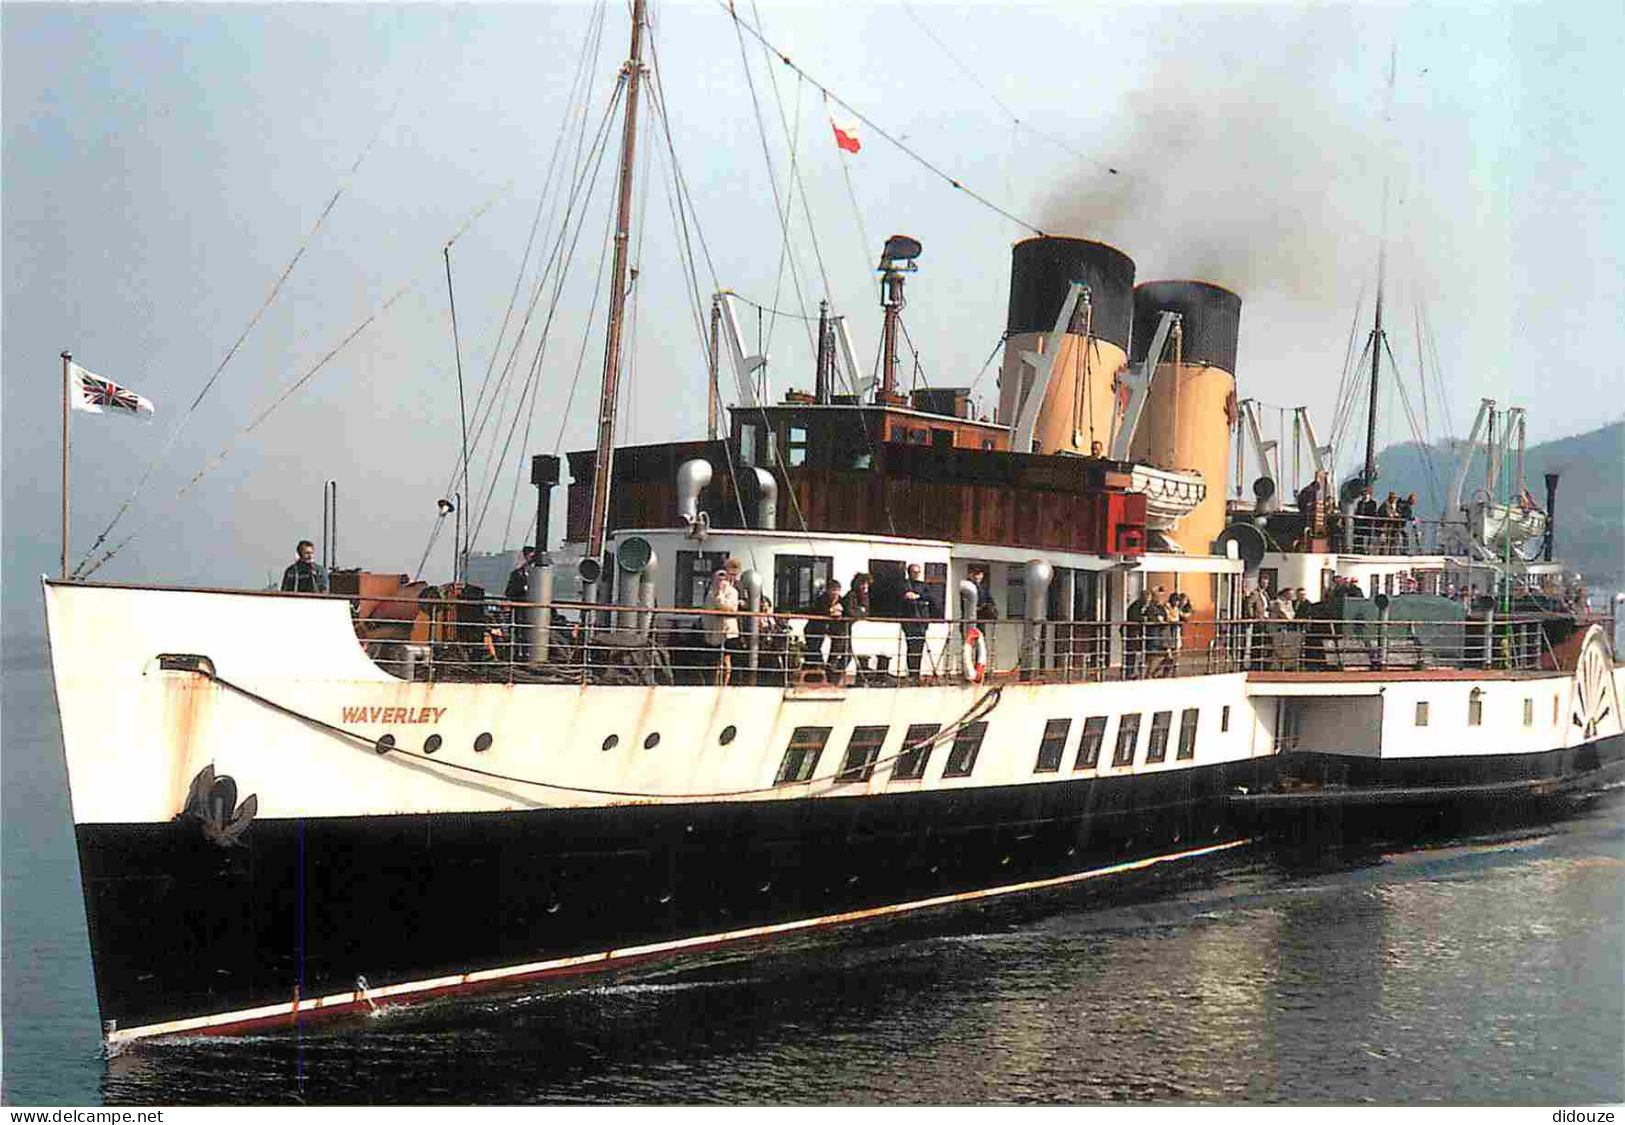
[[796, 445], [1128, 735], [1529, 712], [801, 758], [1421, 712], [987, 445], [750, 444], [1094, 736], [1187, 734], [797, 579], [898, 434], [1157, 749], [919, 437], [862, 753], [1052, 746], [942, 439], [911, 763], [1015, 591], [694, 571], [1224, 719], [962, 758], [1475, 708]]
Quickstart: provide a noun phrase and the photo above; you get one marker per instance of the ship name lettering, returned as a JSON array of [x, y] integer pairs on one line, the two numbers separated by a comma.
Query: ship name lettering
[[393, 714]]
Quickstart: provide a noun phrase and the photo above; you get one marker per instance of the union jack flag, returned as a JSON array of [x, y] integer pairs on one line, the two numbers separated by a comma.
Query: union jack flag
[[94, 395]]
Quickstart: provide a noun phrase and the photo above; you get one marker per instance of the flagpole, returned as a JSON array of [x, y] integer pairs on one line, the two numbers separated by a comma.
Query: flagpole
[[66, 359]]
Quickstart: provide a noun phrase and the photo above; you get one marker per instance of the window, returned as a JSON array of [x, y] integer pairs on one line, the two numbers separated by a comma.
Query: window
[[1224, 719], [919, 436], [1015, 591], [1157, 749], [1475, 708], [1128, 735], [941, 439], [1052, 746], [694, 570], [1528, 712], [861, 753], [911, 763], [962, 758], [1187, 734], [796, 444], [1421, 713], [1094, 736], [797, 579], [750, 445], [801, 759]]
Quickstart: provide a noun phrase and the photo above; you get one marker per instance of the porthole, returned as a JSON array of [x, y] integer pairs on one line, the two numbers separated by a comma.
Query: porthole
[[386, 743], [432, 743], [652, 741], [482, 743], [729, 733], [612, 741]]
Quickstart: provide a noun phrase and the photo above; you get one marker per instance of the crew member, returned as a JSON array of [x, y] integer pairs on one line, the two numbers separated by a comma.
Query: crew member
[[918, 608], [305, 575], [519, 579]]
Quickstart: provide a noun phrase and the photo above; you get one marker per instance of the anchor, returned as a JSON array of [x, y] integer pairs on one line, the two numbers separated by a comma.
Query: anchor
[[212, 801]]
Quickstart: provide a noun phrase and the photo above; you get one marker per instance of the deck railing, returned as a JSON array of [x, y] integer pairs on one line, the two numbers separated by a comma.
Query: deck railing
[[500, 641]]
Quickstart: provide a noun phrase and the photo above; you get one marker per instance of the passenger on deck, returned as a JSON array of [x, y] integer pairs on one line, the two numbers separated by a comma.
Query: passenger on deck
[[1300, 604], [518, 588], [920, 607], [1134, 636], [722, 629], [1410, 537], [1159, 653], [1365, 522], [986, 610], [305, 575], [854, 608], [831, 604]]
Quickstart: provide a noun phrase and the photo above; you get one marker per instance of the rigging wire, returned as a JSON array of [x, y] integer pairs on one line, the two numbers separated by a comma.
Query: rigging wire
[[756, 33], [270, 298], [779, 210], [1016, 120], [576, 106], [587, 162], [299, 384], [563, 257]]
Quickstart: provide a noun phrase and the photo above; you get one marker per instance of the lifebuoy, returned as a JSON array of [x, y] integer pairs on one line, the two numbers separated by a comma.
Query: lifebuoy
[[974, 657]]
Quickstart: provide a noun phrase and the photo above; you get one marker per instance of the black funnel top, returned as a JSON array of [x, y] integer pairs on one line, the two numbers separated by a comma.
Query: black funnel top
[[1211, 326], [1041, 269]]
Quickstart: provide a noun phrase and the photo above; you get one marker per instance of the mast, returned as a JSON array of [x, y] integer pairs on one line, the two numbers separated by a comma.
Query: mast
[[1377, 341], [604, 459]]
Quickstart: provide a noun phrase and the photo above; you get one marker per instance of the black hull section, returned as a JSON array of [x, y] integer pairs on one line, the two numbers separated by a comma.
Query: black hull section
[[1320, 796], [181, 927]]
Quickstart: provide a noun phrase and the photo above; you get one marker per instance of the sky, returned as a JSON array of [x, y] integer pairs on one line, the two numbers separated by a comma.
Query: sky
[[164, 166]]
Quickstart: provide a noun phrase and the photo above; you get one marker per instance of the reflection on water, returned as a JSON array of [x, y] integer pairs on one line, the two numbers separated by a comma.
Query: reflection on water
[[1482, 972]]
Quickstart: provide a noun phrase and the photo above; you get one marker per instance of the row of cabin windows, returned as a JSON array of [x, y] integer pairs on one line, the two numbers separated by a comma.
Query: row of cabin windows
[[1475, 710], [863, 753], [797, 580], [863, 748]]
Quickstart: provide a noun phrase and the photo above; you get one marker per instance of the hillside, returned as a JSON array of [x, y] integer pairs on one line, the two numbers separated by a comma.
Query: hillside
[[1590, 493]]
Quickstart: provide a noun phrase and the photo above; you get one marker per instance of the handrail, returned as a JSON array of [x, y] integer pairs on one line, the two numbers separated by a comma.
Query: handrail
[[502, 641]]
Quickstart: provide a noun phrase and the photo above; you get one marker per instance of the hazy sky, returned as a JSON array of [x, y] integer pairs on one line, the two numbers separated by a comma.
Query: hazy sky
[[162, 165]]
